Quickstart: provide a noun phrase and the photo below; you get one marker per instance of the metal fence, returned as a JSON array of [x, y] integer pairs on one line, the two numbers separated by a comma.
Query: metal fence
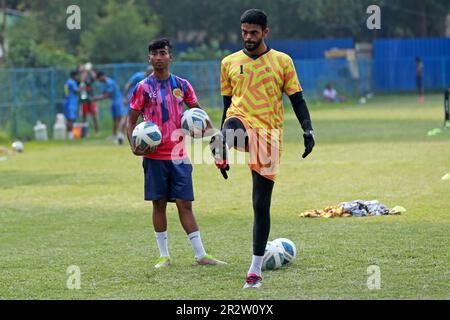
[[394, 75], [28, 95]]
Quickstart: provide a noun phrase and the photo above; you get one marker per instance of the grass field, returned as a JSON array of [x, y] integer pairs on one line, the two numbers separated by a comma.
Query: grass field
[[80, 203]]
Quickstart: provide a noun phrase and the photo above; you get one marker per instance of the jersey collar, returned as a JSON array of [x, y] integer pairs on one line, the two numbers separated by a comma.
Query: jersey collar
[[254, 57]]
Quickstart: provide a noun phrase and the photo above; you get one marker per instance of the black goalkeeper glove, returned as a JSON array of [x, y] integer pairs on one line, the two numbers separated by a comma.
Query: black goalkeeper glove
[[308, 137], [220, 154]]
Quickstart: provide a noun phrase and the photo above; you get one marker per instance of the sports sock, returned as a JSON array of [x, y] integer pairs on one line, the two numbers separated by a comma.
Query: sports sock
[[161, 239], [262, 194], [256, 265], [70, 135], [197, 245]]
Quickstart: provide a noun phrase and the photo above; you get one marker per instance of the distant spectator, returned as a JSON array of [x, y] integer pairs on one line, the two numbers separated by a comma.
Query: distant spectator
[[419, 80], [331, 95], [87, 79], [128, 91], [71, 90], [111, 90]]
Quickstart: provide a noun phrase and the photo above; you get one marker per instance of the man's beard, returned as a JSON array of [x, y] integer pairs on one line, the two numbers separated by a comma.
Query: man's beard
[[251, 46]]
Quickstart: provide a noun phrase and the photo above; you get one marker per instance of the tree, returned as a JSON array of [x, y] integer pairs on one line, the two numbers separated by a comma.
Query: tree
[[203, 53], [120, 36], [26, 49], [206, 20], [3, 30]]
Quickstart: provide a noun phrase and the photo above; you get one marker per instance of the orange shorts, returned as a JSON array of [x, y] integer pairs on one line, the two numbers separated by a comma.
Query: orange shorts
[[264, 148]]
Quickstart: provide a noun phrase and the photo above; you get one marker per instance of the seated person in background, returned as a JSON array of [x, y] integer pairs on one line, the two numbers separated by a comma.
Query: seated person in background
[[330, 94]]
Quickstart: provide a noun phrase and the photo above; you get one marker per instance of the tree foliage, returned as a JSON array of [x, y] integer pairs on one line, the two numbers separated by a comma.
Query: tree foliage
[[119, 30], [120, 36], [300, 19], [204, 52]]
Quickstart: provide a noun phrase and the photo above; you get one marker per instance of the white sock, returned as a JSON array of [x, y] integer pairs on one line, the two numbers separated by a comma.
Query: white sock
[[161, 239], [197, 245], [70, 135], [256, 265]]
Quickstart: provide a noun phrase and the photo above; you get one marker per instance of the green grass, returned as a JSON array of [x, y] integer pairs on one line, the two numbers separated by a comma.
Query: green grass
[[80, 203]]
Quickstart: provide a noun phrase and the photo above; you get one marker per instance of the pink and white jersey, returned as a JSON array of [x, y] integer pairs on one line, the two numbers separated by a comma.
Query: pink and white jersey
[[161, 102]]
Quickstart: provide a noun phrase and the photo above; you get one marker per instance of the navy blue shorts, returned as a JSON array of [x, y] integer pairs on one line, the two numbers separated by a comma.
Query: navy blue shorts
[[165, 179]]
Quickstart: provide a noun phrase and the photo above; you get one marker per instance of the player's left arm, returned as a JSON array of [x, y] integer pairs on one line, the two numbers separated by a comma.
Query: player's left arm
[[302, 113], [75, 88], [107, 93], [293, 89], [103, 96]]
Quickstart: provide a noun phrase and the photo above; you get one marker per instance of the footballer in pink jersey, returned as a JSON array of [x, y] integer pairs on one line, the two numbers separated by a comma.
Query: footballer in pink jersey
[[162, 102], [160, 98]]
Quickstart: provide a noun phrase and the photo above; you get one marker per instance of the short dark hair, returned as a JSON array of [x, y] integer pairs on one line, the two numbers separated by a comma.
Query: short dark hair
[[73, 73], [255, 16], [160, 44], [100, 74]]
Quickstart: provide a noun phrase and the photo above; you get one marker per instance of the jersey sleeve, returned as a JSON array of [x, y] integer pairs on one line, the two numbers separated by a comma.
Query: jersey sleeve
[[291, 83], [66, 90], [138, 98], [190, 98], [108, 88], [225, 83], [134, 80], [73, 87]]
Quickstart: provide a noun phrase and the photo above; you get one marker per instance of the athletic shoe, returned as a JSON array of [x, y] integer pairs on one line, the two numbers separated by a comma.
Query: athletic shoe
[[253, 281], [209, 260], [163, 262], [120, 138]]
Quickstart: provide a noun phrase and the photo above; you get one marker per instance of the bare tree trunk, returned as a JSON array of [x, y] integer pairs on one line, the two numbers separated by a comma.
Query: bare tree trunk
[[421, 25]]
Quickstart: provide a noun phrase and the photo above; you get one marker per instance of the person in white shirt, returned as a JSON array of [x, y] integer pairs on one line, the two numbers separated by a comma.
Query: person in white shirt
[[330, 94]]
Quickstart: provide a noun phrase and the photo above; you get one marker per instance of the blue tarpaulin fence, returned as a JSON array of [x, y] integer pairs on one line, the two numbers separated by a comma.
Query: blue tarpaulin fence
[[394, 63], [394, 75], [304, 49]]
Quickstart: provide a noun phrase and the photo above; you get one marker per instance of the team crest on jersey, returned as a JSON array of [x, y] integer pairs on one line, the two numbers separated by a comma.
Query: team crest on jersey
[[177, 93]]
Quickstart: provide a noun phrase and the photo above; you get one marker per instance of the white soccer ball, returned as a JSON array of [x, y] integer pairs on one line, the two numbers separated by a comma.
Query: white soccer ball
[[146, 134], [288, 248], [17, 146], [194, 121], [273, 257]]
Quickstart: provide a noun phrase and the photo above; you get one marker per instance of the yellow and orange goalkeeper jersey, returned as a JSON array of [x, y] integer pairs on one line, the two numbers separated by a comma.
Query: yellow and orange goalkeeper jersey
[[256, 87]]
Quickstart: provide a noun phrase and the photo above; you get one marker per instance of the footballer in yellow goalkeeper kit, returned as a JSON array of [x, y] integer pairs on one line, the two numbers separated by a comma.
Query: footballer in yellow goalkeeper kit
[[253, 81]]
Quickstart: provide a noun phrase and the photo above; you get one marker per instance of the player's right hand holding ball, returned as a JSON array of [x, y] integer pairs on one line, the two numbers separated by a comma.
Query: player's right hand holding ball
[[142, 152]]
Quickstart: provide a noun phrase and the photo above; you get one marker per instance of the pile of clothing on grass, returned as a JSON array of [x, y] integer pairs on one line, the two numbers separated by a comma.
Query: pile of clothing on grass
[[357, 208]]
